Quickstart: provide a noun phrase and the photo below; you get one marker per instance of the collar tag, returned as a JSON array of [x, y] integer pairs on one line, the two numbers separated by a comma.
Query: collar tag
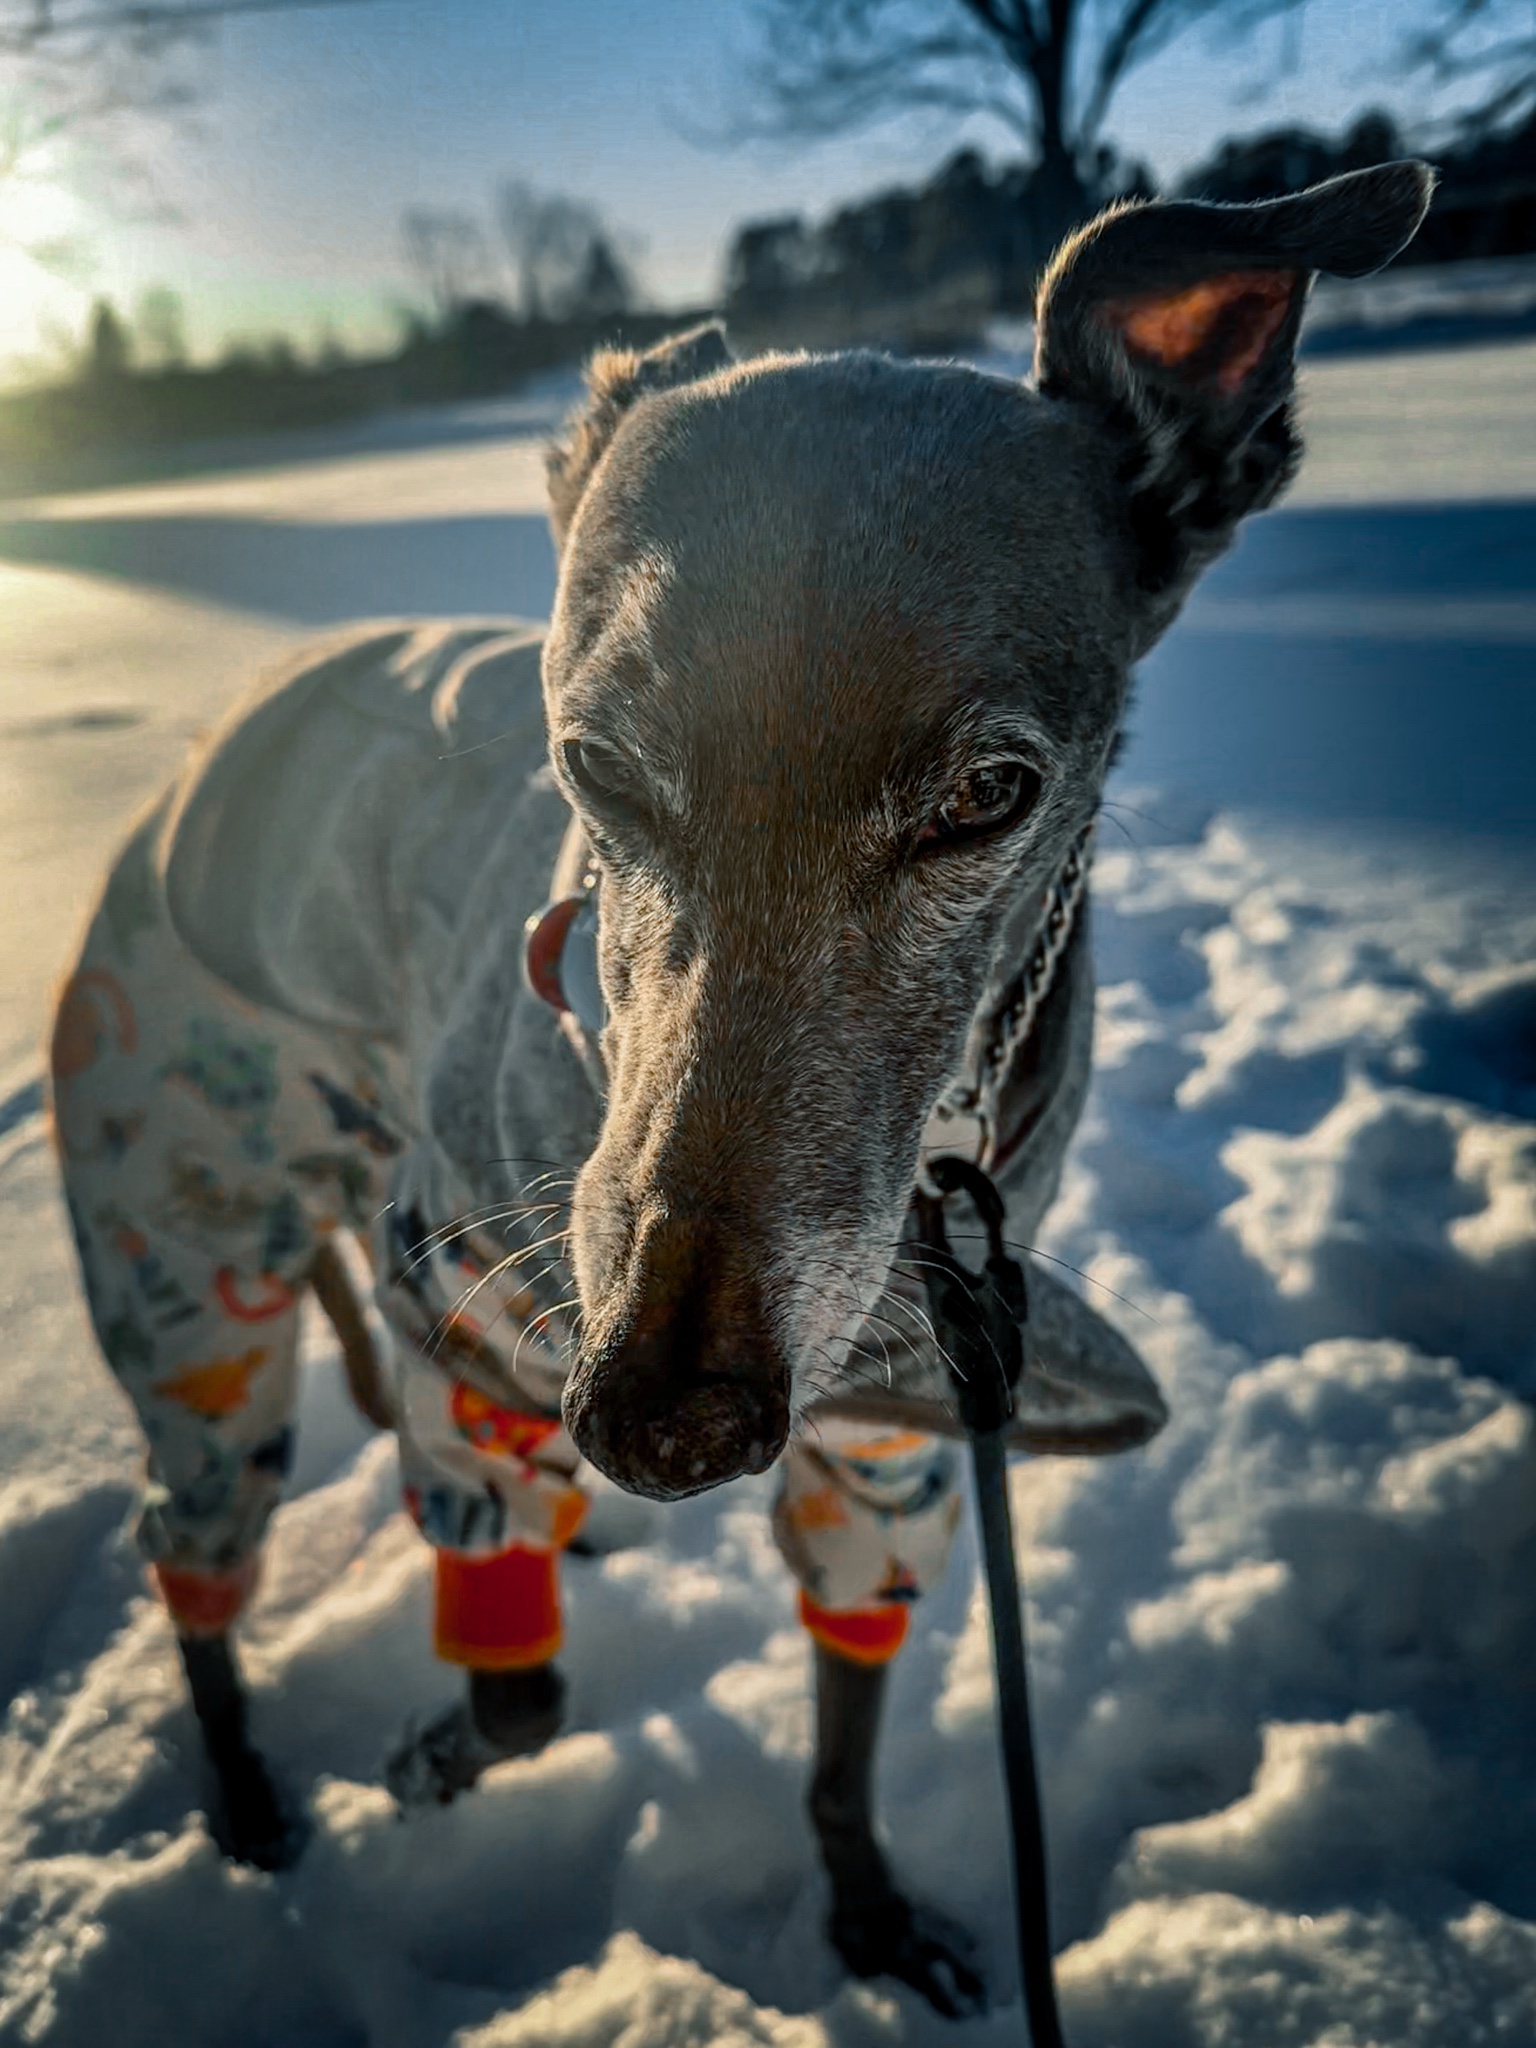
[[560, 960]]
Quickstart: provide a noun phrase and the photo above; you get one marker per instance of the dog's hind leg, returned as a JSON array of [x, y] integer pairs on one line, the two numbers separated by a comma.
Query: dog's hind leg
[[248, 1819], [874, 1927]]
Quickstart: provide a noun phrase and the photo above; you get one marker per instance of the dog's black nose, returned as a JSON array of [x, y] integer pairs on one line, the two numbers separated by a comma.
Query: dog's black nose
[[670, 1443], [683, 1386], [680, 1383]]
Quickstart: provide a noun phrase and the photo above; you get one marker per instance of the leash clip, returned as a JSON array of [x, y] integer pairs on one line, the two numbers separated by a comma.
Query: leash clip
[[957, 1125], [979, 1318]]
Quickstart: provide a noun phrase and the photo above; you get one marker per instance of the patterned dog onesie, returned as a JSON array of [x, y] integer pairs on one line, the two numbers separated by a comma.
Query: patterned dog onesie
[[299, 1010]]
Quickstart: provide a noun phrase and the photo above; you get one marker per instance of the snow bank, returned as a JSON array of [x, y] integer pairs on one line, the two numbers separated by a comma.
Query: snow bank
[[635, 1999], [1284, 1659]]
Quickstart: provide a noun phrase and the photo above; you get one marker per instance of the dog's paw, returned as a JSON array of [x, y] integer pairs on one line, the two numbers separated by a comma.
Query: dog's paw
[[891, 1937], [508, 1714], [249, 1818], [436, 1763]]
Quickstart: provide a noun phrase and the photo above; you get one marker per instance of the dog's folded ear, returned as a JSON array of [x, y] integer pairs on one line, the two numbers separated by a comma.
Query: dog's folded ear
[[616, 378], [1178, 321]]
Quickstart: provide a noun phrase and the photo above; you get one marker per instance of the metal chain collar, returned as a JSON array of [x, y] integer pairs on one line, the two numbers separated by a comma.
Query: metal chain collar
[[964, 1121]]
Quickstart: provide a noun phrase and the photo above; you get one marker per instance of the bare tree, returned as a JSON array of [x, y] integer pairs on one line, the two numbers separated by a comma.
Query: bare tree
[[95, 63], [61, 81], [1049, 70], [605, 284], [1489, 45], [160, 329], [67, 70], [449, 255], [109, 347], [564, 259], [27, 25]]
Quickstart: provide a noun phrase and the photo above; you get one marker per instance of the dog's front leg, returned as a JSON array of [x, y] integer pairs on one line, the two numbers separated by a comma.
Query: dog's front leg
[[875, 1928], [249, 1821], [503, 1714]]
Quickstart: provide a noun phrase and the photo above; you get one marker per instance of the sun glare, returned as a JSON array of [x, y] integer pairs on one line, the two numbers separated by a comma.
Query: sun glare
[[36, 221]]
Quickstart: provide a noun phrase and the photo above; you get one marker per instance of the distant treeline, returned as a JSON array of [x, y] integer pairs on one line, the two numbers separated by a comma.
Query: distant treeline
[[1485, 205], [911, 268], [928, 267], [474, 350], [921, 267]]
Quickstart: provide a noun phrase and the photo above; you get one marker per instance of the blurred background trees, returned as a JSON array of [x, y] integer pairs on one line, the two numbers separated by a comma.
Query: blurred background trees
[[927, 266], [564, 258], [1489, 45], [448, 255], [1047, 70], [538, 275]]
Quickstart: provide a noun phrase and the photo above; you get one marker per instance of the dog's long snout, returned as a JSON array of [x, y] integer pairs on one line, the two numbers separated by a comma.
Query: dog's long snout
[[685, 1386]]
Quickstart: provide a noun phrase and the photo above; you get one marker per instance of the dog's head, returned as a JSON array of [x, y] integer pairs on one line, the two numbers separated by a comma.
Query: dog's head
[[839, 656]]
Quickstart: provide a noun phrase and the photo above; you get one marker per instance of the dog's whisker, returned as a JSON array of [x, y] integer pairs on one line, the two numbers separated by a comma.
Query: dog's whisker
[[873, 1316], [550, 1207], [882, 1326], [530, 1159], [549, 1270], [910, 1256], [867, 1321], [560, 1308], [445, 1233], [1014, 1245], [546, 1182], [474, 1219], [515, 1258], [509, 1264]]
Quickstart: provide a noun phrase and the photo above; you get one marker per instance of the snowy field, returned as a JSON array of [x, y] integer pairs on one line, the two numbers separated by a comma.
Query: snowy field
[[1285, 1659]]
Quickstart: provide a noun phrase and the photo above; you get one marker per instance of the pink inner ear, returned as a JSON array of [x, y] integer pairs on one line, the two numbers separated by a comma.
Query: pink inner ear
[[1241, 312]]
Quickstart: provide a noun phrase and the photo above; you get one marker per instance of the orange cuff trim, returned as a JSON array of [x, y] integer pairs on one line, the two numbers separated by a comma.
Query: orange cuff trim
[[498, 1613], [206, 1603], [570, 1513], [864, 1635]]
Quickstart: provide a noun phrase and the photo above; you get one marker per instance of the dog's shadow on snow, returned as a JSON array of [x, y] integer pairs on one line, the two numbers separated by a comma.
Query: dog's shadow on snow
[[317, 573]]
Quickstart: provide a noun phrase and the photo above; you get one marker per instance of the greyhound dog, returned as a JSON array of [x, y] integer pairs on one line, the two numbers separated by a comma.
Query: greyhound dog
[[811, 753]]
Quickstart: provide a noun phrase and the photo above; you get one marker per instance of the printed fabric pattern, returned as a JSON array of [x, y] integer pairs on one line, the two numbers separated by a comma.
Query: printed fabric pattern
[[208, 1145]]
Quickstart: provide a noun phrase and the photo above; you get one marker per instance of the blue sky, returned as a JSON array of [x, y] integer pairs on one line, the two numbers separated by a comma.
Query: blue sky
[[277, 204]]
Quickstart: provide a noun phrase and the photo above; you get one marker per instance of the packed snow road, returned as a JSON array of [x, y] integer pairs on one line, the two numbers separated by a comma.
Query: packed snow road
[[1285, 1658]]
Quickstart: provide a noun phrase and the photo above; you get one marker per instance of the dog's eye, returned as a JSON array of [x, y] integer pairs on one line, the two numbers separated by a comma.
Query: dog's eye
[[597, 769], [996, 794]]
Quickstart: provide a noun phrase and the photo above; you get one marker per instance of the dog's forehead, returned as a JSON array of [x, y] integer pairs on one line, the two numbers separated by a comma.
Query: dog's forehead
[[845, 544]]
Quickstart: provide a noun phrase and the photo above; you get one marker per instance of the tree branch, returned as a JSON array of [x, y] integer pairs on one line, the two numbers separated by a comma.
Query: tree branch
[[1146, 28], [829, 68], [1508, 63], [44, 23], [1016, 28]]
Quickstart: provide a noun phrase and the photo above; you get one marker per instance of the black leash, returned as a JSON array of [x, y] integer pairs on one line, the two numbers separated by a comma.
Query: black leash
[[979, 1319]]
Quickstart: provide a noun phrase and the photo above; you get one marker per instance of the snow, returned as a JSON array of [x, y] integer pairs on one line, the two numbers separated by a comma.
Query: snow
[[1283, 1659], [1480, 291]]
